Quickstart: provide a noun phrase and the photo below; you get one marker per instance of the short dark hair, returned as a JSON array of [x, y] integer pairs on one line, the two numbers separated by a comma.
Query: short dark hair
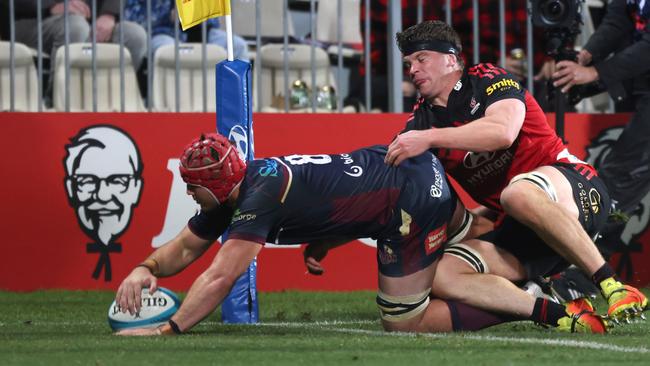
[[430, 30]]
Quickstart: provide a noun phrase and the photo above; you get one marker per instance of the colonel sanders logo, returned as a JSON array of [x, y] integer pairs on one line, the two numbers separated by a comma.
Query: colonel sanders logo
[[625, 240], [103, 182]]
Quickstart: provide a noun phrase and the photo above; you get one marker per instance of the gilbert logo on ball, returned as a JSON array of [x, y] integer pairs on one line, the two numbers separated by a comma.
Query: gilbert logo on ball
[[156, 309]]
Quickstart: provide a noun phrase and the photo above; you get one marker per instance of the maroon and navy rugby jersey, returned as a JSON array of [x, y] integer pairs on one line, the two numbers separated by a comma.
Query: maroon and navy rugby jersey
[[485, 174], [300, 198]]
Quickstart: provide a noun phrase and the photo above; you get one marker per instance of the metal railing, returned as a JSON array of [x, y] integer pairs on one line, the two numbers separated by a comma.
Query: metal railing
[[395, 69]]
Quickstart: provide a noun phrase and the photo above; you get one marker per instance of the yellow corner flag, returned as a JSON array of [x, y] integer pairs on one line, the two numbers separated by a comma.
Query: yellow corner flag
[[193, 12]]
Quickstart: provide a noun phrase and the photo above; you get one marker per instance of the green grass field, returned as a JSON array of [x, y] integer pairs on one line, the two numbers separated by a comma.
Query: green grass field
[[70, 328]]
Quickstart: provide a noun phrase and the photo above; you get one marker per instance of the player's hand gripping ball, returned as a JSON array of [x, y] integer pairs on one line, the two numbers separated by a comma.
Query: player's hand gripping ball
[[156, 309]]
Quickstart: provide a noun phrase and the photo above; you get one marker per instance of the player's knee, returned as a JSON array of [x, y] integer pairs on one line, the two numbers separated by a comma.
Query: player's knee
[[465, 258], [402, 313], [523, 193], [459, 260], [514, 198]]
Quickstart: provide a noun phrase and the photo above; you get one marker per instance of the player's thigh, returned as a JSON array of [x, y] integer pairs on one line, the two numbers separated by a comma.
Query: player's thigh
[[527, 192], [581, 192], [563, 189], [403, 300], [477, 256]]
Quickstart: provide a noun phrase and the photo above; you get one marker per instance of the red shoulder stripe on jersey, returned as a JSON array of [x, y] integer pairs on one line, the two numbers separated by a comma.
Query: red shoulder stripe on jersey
[[496, 69], [486, 71], [474, 71], [489, 68], [585, 171]]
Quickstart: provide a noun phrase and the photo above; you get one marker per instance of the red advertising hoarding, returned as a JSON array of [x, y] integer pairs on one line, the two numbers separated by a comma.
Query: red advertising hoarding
[[56, 238]]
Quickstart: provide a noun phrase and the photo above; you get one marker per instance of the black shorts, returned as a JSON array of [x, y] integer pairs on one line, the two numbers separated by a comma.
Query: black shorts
[[428, 202], [537, 257]]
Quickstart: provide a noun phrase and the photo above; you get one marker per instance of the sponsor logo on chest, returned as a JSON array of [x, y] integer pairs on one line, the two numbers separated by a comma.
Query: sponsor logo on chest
[[238, 216], [502, 85], [485, 165], [474, 105], [435, 239]]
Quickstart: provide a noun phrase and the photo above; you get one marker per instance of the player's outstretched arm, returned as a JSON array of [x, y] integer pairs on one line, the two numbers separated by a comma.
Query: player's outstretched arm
[[210, 288], [167, 260], [497, 130]]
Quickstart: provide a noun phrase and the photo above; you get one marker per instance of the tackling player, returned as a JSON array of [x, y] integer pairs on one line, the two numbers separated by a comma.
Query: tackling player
[[410, 210], [493, 138]]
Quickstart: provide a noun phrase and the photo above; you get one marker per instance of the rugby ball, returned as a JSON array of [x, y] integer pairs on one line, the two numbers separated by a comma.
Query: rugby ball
[[156, 309]]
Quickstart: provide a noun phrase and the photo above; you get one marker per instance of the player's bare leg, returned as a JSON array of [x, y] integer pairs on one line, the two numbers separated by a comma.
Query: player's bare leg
[[406, 306], [557, 224], [457, 280]]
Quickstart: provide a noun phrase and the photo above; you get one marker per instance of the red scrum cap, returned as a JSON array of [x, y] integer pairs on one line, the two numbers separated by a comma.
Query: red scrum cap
[[211, 161]]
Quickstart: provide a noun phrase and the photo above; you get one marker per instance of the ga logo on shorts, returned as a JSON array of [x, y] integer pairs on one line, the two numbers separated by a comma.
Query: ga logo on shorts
[[594, 200], [435, 239]]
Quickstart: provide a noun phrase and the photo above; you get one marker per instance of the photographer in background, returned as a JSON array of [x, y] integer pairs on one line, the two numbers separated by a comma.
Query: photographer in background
[[626, 74]]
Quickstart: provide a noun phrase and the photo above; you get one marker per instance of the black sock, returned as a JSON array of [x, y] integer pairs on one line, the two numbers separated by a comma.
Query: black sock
[[547, 312], [466, 317], [603, 273]]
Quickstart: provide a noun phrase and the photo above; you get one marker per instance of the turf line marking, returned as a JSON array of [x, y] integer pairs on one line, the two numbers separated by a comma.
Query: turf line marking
[[209, 323], [325, 325], [546, 342], [315, 324]]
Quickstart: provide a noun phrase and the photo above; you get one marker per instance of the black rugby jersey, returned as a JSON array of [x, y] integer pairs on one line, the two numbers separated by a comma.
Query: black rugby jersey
[[297, 198], [485, 174]]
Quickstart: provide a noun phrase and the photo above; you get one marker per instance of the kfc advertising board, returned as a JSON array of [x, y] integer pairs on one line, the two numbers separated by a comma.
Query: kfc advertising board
[[86, 197]]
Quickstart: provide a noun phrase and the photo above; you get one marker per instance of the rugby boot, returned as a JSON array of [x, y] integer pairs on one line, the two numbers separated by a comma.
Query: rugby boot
[[541, 287], [625, 302], [581, 318], [573, 284]]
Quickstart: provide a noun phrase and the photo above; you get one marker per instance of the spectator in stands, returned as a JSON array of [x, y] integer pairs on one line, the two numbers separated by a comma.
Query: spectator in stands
[[79, 28], [462, 16], [163, 14], [79, 18], [625, 30]]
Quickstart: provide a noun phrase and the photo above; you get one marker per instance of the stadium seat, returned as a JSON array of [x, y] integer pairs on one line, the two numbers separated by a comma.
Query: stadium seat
[[327, 19], [271, 85], [190, 77], [243, 19], [108, 79], [25, 79]]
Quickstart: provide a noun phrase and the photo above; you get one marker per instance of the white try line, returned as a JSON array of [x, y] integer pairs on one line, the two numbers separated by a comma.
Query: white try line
[[207, 323], [546, 342], [331, 327], [477, 337]]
